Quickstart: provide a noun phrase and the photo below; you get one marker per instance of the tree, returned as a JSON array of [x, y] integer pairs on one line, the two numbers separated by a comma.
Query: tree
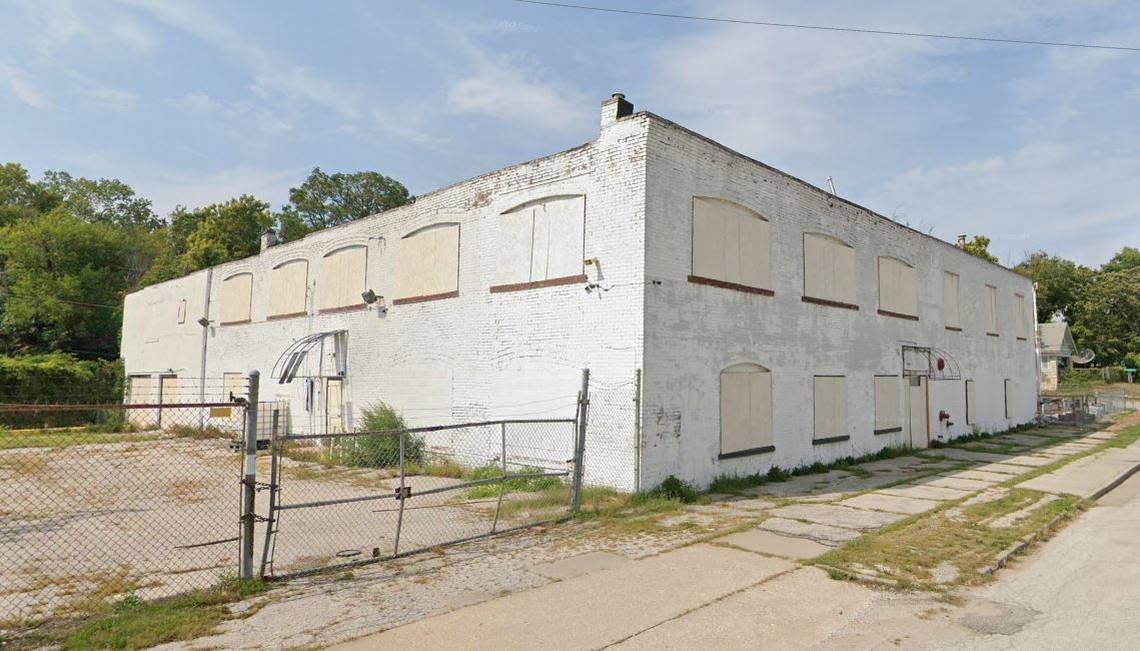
[[1106, 316], [226, 231], [104, 200], [20, 198], [63, 284], [325, 200], [1059, 283], [980, 246], [1126, 258]]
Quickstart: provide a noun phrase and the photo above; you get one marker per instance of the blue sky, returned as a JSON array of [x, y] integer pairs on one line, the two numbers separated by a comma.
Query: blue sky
[[193, 103]]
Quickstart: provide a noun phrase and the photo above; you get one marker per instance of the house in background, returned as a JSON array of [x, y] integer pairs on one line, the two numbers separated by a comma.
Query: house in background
[[770, 322], [1055, 345]]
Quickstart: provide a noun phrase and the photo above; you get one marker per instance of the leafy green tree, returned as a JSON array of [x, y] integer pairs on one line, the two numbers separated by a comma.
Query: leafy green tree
[[63, 284], [103, 200], [1059, 283], [1126, 258], [228, 231], [1106, 315], [325, 200], [980, 246], [20, 198]]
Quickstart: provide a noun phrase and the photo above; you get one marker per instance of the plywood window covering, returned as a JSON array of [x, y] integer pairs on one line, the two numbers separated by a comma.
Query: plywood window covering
[[427, 264], [1009, 398], [971, 397], [343, 279], [732, 246], [745, 410], [181, 311], [829, 271], [334, 406], [142, 390], [1022, 320], [898, 288], [237, 293], [951, 311], [288, 284], [233, 384], [991, 310], [542, 244], [830, 407], [887, 417]]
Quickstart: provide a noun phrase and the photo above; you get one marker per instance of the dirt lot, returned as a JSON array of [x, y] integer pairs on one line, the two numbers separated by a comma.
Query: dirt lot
[[99, 521]]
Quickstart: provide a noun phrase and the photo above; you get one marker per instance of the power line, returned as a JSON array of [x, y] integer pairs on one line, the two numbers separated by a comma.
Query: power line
[[829, 28]]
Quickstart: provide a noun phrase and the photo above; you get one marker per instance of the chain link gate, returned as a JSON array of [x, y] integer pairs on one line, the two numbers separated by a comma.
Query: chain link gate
[[342, 499]]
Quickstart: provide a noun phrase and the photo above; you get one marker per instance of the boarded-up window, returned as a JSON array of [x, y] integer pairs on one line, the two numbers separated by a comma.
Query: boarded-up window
[[1009, 398], [745, 410], [991, 310], [334, 406], [343, 277], [427, 263], [237, 291], [898, 287], [542, 240], [142, 390], [829, 269], [1022, 316], [233, 386], [170, 394], [287, 284], [181, 311], [731, 244], [970, 402], [830, 405], [951, 313], [887, 417]]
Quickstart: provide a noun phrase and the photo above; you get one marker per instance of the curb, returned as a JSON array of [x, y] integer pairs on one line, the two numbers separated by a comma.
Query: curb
[[1104, 490], [1018, 547]]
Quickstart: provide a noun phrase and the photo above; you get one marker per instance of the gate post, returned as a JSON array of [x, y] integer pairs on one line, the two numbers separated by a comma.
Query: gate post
[[249, 479], [580, 443]]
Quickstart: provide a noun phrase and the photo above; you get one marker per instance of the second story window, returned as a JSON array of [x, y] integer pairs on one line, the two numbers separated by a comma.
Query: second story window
[[991, 310], [951, 312], [287, 288], [541, 242], [829, 271], [237, 293], [343, 279], [731, 246], [427, 264], [898, 289]]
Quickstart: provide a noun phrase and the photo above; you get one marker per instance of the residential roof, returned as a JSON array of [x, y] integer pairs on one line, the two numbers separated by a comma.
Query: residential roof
[[1056, 339]]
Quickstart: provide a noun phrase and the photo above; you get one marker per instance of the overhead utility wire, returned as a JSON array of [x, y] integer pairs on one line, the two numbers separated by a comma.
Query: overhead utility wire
[[829, 28]]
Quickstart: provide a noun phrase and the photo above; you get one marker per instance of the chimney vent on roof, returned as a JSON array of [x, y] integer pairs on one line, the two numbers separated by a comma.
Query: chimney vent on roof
[[269, 238], [962, 241], [615, 108]]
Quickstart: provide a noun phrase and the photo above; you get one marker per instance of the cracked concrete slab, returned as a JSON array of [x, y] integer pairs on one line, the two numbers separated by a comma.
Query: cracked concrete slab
[[837, 516], [925, 492], [981, 475], [956, 482], [821, 533], [1003, 468], [569, 568], [773, 544], [892, 503], [1029, 460]]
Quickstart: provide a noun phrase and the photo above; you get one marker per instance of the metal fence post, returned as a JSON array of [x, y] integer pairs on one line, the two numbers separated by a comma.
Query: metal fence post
[[249, 480], [580, 443], [503, 479], [401, 493], [271, 517]]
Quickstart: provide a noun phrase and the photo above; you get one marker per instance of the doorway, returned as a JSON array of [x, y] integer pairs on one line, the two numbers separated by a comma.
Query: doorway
[[334, 406], [918, 411]]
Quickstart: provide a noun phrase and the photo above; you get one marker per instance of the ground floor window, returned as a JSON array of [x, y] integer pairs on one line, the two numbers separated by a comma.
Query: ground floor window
[[887, 418], [1008, 398], [970, 402], [830, 409], [745, 410]]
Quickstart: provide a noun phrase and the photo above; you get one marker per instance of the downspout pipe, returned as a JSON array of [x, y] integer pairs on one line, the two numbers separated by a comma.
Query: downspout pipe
[[205, 341]]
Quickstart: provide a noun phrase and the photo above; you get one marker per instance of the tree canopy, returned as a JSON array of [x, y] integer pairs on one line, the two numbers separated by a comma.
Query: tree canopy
[[1059, 283], [325, 200], [980, 246]]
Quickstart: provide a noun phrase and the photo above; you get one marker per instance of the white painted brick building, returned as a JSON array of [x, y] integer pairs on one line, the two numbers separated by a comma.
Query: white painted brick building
[[767, 317]]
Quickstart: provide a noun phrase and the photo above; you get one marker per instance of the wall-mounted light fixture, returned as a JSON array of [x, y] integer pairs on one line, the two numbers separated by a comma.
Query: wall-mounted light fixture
[[372, 298], [204, 322]]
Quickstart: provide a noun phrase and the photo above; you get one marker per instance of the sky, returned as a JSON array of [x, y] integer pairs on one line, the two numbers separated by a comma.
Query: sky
[[196, 102]]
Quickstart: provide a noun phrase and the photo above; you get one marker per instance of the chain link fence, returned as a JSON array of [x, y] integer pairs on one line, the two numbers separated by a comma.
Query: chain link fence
[[102, 500]]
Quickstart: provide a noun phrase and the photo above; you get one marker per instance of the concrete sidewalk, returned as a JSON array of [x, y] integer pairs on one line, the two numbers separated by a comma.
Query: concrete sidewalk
[[711, 593]]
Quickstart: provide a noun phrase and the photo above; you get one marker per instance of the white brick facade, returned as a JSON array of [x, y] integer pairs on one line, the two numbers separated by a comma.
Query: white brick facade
[[486, 355]]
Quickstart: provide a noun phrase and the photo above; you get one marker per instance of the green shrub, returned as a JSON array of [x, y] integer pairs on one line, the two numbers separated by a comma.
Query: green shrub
[[675, 489], [516, 485], [379, 447], [58, 378]]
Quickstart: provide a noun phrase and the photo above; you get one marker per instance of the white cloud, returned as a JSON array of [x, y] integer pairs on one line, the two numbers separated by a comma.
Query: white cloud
[[111, 99], [168, 190], [503, 91], [20, 87]]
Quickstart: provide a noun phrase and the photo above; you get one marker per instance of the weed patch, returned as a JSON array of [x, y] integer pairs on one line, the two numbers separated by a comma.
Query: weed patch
[[738, 483]]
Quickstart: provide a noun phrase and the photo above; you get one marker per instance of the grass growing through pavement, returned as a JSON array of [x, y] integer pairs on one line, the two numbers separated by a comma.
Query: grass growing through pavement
[[909, 551], [739, 483], [514, 485], [132, 623], [66, 437]]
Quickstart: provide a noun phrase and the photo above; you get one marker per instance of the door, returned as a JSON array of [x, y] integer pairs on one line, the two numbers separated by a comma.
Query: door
[[918, 417], [141, 392], [168, 395], [334, 406]]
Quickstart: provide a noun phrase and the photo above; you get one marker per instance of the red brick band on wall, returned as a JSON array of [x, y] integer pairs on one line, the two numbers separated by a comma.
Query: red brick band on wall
[[536, 284], [344, 308], [898, 315], [824, 301], [425, 298], [287, 315], [724, 284]]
